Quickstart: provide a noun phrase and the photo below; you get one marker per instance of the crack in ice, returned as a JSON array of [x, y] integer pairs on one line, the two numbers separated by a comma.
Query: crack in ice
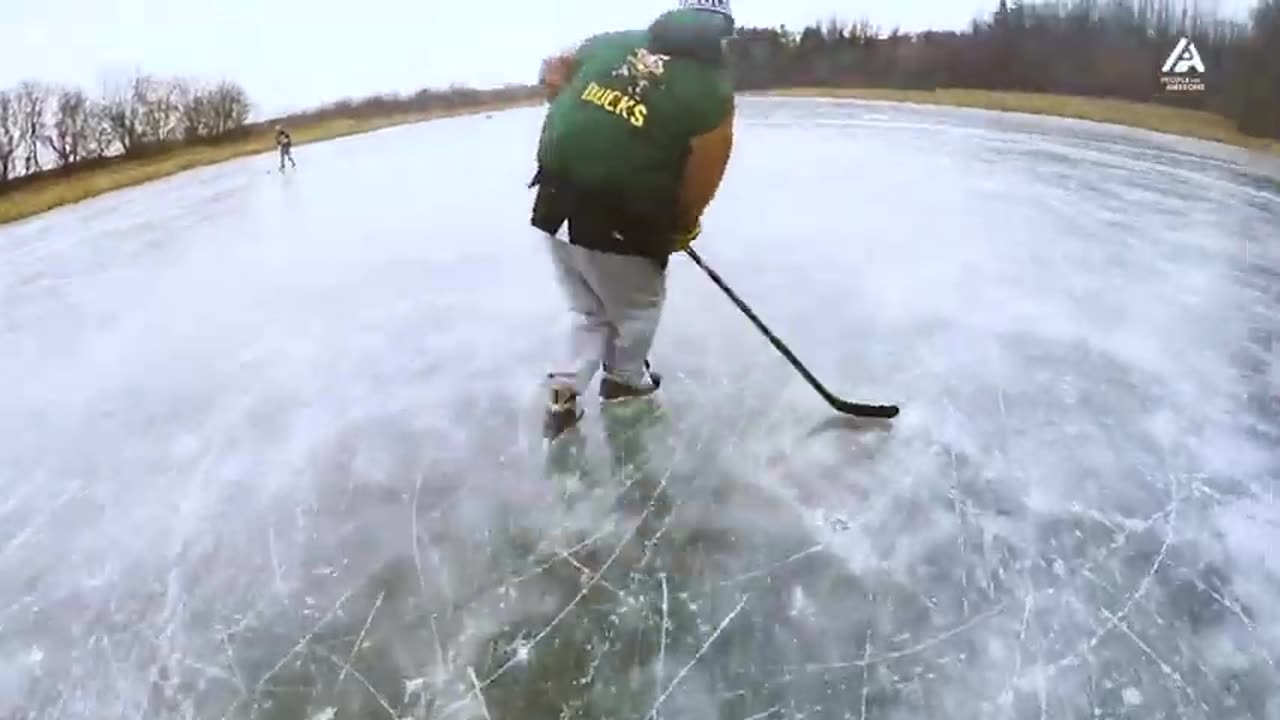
[[355, 648], [303, 642], [475, 683], [583, 592], [766, 570], [368, 686], [1164, 666], [696, 657], [913, 650], [662, 641]]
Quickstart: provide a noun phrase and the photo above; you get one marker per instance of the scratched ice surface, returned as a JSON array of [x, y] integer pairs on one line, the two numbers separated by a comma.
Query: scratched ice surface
[[268, 442]]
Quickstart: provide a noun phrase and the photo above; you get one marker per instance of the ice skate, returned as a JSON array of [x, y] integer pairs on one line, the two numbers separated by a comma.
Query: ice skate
[[563, 413], [612, 391]]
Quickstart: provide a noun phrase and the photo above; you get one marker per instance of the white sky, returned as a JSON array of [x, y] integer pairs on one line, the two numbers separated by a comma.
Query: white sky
[[293, 54]]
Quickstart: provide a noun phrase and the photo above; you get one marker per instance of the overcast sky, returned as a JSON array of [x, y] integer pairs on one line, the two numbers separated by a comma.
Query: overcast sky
[[292, 54]]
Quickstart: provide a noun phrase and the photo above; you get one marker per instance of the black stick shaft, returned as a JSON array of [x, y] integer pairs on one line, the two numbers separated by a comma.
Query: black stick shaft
[[886, 411]]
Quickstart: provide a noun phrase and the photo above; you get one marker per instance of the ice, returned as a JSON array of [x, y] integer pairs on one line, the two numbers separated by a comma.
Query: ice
[[270, 442], [1132, 696]]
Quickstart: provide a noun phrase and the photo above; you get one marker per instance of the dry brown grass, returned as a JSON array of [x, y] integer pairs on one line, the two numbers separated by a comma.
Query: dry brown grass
[[1148, 116], [44, 195]]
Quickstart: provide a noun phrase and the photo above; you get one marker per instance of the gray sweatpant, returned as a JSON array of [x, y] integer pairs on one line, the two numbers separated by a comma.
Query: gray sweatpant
[[616, 302]]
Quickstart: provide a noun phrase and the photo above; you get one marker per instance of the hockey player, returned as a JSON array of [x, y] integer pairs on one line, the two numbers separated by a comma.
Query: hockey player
[[285, 143], [634, 146]]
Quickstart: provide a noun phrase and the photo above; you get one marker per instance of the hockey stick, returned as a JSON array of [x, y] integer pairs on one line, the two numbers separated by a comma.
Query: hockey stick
[[843, 406]]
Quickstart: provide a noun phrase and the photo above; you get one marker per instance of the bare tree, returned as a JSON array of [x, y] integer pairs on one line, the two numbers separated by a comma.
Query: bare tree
[[228, 108], [191, 101], [207, 111], [8, 135], [72, 130], [158, 106], [101, 137], [121, 115], [33, 101]]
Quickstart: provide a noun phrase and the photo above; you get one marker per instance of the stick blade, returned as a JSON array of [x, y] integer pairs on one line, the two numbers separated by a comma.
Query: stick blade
[[866, 411]]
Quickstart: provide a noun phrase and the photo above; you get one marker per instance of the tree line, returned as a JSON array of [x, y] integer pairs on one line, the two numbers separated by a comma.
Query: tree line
[[1109, 48], [45, 127], [1105, 48], [57, 130]]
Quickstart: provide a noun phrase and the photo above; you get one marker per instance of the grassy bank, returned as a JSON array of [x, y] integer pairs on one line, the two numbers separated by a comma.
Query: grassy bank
[[1148, 116], [42, 195]]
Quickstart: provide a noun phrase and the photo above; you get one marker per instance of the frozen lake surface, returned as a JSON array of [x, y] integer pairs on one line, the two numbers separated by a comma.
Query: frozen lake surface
[[269, 444]]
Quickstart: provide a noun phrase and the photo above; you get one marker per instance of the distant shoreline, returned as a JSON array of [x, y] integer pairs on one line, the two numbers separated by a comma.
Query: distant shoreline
[[44, 194], [1197, 124], [47, 194]]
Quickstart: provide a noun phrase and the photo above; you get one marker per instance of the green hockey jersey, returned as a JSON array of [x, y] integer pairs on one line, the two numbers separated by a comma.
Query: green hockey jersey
[[623, 123]]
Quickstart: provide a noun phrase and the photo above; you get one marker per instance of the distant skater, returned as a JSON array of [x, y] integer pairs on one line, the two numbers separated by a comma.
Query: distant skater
[[285, 142]]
